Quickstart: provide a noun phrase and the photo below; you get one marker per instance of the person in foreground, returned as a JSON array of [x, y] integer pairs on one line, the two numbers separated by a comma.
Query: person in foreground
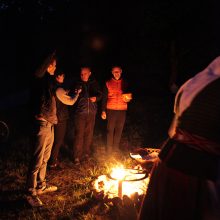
[[185, 180], [44, 117]]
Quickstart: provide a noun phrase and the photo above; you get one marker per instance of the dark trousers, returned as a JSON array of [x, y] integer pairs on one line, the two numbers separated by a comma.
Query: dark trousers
[[59, 135], [84, 126], [115, 125]]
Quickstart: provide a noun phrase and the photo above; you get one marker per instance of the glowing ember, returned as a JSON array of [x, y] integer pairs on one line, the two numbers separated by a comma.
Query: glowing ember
[[122, 182]]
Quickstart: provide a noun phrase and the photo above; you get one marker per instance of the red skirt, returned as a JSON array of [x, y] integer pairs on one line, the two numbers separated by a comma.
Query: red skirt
[[174, 195]]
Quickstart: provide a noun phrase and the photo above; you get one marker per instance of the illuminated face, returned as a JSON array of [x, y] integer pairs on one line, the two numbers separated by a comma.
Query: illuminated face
[[117, 71], [52, 67], [85, 74], [60, 78]]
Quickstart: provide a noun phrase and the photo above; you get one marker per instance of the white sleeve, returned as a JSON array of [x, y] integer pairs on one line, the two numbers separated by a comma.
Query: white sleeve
[[65, 98]]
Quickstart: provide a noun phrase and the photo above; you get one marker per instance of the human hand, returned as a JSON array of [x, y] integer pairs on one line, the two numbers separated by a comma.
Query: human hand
[[141, 151], [103, 115], [92, 99], [127, 97], [138, 155], [143, 156], [77, 91]]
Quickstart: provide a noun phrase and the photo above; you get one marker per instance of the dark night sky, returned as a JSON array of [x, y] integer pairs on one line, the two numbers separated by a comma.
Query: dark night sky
[[138, 35]]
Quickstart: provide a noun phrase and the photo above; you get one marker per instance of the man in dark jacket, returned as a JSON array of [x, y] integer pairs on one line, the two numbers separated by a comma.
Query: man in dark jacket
[[44, 118], [85, 113]]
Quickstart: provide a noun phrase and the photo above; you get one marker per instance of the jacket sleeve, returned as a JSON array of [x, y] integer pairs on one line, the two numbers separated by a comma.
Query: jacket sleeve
[[104, 97], [65, 98], [98, 92]]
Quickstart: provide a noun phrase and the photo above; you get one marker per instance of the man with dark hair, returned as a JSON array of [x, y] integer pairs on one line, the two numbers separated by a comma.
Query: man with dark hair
[[63, 100], [85, 114], [44, 118]]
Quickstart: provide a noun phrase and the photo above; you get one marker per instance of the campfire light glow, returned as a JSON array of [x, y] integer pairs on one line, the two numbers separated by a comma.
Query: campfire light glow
[[122, 182], [118, 173]]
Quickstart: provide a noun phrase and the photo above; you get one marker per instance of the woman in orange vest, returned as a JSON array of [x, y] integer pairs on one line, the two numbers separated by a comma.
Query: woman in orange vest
[[114, 106]]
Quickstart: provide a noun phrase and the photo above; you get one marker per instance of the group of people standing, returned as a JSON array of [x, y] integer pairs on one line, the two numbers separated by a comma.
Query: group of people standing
[[185, 179], [49, 103]]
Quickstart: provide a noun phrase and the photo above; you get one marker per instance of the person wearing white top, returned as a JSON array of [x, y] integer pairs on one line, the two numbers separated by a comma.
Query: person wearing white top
[[63, 100]]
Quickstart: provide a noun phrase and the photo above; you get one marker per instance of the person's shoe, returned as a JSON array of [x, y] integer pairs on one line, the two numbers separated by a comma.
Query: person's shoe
[[86, 158], [56, 166], [52, 166], [34, 201], [76, 161], [46, 189]]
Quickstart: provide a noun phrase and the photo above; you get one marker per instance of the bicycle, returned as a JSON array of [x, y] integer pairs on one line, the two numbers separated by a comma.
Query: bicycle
[[4, 132]]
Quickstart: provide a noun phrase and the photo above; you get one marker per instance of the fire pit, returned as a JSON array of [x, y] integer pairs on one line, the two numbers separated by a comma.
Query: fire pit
[[120, 192], [122, 181]]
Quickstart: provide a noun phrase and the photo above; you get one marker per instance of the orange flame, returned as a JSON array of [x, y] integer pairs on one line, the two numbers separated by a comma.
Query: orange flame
[[110, 186]]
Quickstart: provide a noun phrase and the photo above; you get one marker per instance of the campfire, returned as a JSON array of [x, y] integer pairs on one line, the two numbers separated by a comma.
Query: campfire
[[123, 181], [127, 181], [119, 193]]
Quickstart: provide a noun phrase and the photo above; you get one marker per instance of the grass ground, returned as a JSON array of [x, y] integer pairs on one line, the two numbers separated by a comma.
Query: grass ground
[[75, 196]]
